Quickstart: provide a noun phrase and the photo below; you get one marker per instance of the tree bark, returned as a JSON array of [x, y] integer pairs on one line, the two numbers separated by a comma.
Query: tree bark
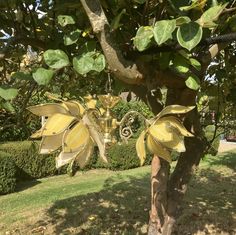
[[124, 70], [159, 178]]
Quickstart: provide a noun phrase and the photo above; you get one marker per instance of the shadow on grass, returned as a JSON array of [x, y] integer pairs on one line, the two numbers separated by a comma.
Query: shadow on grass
[[23, 185], [227, 159], [122, 208]]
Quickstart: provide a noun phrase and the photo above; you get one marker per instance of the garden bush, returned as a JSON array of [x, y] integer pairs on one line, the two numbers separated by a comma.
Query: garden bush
[[30, 164], [123, 156], [7, 173]]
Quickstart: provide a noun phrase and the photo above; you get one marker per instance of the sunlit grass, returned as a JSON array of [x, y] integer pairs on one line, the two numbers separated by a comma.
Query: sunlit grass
[[102, 201]]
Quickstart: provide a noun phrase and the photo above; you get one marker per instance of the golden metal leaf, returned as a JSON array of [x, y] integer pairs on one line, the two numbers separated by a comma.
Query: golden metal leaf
[[83, 157], [165, 134], [97, 137], [57, 124], [161, 131], [50, 144], [175, 109], [175, 122], [64, 158], [37, 134], [75, 138], [157, 149], [90, 102], [47, 109], [140, 147], [73, 108], [81, 107]]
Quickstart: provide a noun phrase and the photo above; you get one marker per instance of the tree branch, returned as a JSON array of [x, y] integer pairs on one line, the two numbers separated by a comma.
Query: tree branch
[[123, 69]]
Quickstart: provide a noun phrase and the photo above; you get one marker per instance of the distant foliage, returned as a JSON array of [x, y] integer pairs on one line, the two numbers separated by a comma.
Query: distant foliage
[[7, 173], [123, 107]]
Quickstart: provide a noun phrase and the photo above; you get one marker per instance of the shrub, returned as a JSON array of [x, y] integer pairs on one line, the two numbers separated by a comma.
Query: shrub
[[123, 156], [7, 173], [30, 164]]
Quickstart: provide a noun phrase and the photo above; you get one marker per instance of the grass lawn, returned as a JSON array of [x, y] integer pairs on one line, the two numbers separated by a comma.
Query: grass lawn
[[106, 202]]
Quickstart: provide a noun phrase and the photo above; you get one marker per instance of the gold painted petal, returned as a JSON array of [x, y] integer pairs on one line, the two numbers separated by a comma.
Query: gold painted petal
[[81, 107], [140, 147], [157, 149], [161, 131], [175, 122], [73, 108], [75, 138], [91, 104], [37, 134], [47, 109], [57, 124], [65, 158], [176, 144], [83, 157], [97, 137], [175, 109], [167, 135], [50, 144]]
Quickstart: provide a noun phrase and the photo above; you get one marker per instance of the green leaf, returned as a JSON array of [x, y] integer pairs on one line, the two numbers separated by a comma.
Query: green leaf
[[8, 93], [115, 24], [83, 64], [212, 14], [193, 82], [189, 35], [196, 64], [163, 30], [99, 63], [64, 20], [87, 47], [91, 61], [21, 76], [182, 20], [56, 59], [43, 76], [143, 38], [180, 64], [72, 37], [7, 106]]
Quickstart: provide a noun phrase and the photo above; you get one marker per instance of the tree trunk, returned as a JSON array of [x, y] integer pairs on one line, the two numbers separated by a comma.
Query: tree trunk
[[159, 178], [167, 192]]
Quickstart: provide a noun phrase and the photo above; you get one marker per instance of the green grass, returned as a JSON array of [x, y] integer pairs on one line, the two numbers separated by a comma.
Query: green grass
[[106, 202]]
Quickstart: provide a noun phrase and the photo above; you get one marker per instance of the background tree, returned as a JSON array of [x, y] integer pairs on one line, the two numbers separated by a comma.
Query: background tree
[[67, 47]]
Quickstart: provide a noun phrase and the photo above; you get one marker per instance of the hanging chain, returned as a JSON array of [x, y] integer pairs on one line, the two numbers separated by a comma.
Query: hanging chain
[[108, 84]]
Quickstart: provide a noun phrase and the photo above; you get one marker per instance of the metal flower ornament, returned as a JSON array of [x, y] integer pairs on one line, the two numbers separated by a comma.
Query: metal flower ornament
[[75, 128]]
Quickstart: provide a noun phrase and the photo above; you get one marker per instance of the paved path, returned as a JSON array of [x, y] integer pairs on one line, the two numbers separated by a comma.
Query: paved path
[[226, 146]]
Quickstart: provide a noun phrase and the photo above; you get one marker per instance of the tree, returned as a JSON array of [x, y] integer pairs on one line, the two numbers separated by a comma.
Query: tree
[[143, 44]]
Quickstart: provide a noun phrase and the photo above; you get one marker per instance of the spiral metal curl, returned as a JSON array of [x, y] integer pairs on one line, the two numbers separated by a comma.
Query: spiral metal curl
[[125, 130]]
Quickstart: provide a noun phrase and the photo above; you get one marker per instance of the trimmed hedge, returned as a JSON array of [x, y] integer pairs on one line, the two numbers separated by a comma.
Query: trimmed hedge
[[7, 173], [123, 156], [30, 164]]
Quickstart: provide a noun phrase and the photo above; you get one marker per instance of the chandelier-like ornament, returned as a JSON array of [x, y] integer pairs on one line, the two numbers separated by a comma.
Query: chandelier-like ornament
[[75, 129]]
